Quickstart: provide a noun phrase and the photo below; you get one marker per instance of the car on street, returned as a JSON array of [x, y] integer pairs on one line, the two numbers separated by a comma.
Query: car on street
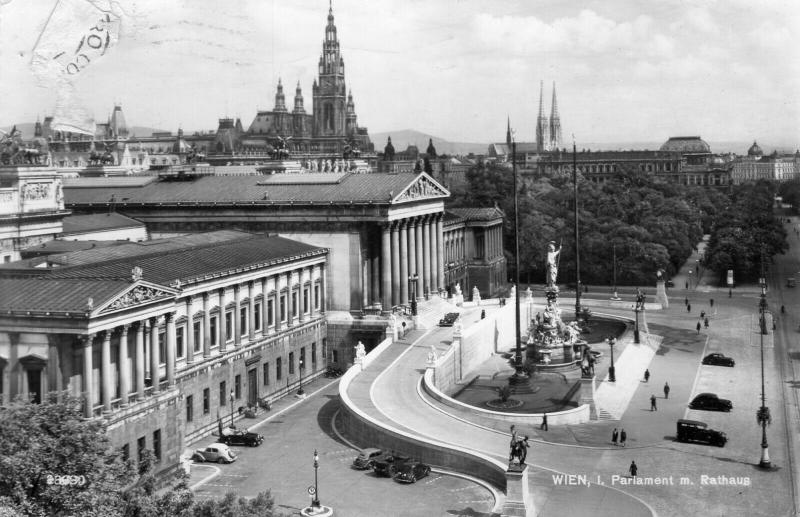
[[696, 431], [670, 283], [411, 472], [718, 359], [386, 465], [240, 437], [366, 458], [710, 402], [449, 319], [219, 452]]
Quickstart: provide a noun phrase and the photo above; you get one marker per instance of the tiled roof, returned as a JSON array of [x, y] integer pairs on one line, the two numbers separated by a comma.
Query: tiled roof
[[62, 246], [98, 222], [44, 294], [477, 214], [188, 264], [355, 188], [115, 181]]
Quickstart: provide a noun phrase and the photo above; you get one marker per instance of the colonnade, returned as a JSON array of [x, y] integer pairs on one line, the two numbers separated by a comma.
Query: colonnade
[[294, 288], [411, 260]]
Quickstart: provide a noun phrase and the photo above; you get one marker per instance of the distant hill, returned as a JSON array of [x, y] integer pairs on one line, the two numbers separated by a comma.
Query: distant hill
[[405, 137], [27, 129]]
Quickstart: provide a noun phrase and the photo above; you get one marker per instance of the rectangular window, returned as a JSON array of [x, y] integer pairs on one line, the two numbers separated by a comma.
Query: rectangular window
[[270, 313], [314, 356], [278, 372], [198, 335], [316, 297], [265, 369], [162, 348], [229, 326], [243, 321], [335, 355], [257, 317], [283, 308], [294, 304], [213, 330], [302, 359], [189, 408], [324, 348], [222, 394], [291, 363], [141, 446], [206, 401], [305, 300], [179, 352], [237, 386], [126, 451], [157, 444]]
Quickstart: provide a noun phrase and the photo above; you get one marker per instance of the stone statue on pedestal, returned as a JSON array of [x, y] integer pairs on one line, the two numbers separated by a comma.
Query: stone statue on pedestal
[[552, 263]]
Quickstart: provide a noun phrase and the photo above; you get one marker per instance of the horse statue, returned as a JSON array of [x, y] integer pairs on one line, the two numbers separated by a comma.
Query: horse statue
[[14, 151], [281, 150], [194, 156], [350, 150], [519, 449], [98, 159]]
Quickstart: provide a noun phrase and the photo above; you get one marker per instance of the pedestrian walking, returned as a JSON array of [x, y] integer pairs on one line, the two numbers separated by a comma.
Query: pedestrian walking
[[483, 313], [544, 422], [711, 302], [653, 403], [623, 436], [702, 314], [614, 436], [698, 327], [687, 284], [646, 375], [705, 322], [689, 308], [666, 390], [633, 469]]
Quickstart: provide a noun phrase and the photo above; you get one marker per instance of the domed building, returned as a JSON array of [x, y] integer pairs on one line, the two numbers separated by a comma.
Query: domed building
[[686, 144], [755, 151]]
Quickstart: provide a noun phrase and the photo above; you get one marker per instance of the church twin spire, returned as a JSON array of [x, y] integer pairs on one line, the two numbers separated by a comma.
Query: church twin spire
[[548, 132]]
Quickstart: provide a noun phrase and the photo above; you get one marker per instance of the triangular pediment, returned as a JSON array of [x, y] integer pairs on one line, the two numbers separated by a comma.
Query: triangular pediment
[[138, 294], [423, 187]]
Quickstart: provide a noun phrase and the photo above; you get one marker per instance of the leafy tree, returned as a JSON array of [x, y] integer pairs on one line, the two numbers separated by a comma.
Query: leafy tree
[[230, 506]]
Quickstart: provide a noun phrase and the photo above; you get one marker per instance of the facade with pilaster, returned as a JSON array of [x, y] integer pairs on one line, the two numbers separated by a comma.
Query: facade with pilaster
[[164, 338]]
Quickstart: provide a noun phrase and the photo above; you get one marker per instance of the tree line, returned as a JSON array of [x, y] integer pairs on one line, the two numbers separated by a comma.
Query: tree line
[[646, 223]]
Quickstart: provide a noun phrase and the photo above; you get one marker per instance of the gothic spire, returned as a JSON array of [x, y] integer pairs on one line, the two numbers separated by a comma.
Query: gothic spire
[[554, 109], [280, 98], [508, 131], [541, 98]]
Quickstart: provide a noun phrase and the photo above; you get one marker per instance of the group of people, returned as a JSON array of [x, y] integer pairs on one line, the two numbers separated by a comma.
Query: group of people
[[653, 406], [703, 316]]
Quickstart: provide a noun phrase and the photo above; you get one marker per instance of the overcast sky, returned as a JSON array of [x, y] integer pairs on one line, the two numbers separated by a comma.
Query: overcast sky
[[624, 70]]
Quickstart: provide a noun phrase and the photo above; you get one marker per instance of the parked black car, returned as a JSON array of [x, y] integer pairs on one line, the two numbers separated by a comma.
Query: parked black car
[[386, 465], [718, 360], [711, 402], [670, 283], [366, 458], [695, 431], [449, 319], [240, 437], [411, 472]]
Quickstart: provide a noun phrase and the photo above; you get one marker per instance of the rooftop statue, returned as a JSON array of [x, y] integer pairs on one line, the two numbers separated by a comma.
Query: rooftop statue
[[552, 263]]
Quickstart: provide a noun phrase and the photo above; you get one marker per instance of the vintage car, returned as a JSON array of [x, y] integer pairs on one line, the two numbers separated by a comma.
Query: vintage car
[[240, 437], [386, 465], [366, 458], [411, 472], [718, 360], [711, 402], [695, 431], [449, 319], [219, 452]]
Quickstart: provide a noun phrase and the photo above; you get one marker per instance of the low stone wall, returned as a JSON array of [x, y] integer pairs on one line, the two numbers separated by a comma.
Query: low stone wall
[[367, 430], [577, 415]]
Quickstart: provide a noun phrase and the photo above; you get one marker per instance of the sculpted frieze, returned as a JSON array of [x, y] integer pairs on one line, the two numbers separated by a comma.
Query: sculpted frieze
[[137, 295], [422, 188]]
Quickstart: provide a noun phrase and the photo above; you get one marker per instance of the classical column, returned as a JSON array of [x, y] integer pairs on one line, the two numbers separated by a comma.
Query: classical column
[[105, 371], [386, 268], [403, 263], [434, 256], [221, 337], [264, 307], [189, 334], [206, 326], [237, 324], [55, 379], [139, 360], [124, 366], [155, 358], [439, 252], [170, 317], [375, 279], [313, 301], [395, 264], [323, 287], [88, 383], [289, 300], [420, 271], [251, 312], [426, 253], [302, 295], [5, 398]]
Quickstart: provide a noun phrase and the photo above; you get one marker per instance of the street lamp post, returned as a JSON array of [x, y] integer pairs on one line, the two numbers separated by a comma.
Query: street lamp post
[[762, 415], [520, 376], [315, 501], [611, 340], [577, 251], [301, 392], [231, 398]]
